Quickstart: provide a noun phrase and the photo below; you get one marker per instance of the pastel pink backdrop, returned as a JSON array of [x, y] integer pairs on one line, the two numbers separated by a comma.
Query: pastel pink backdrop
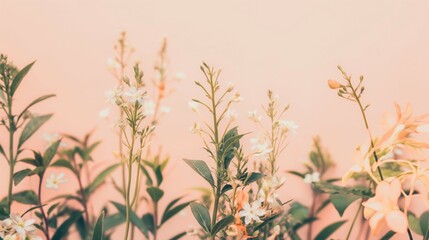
[[290, 47]]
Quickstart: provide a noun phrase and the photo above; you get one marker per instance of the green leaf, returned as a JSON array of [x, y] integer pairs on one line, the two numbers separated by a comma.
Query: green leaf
[[149, 222], [18, 78], [178, 236], [342, 201], [201, 214], [329, 230], [149, 181], [63, 163], [49, 154], [40, 99], [301, 175], [114, 220], [254, 176], [229, 144], [424, 221], [135, 220], [20, 175], [323, 205], [222, 224], [98, 230], [100, 179], [388, 235], [202, 169], [155, 193], [31, 127], [26, 197], [31, 209], [158, 174], [63, 229], [172, 211], [2, 151], [414, 223], [52, 208]]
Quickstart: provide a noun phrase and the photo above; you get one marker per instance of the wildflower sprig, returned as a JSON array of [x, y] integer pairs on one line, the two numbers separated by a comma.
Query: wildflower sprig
[[223, 148]]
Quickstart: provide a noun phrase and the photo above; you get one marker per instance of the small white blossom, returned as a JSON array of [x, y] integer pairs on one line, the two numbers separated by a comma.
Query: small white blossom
[[312, 177], [135, 95], [54, 181], [165, 109], [253, 115], [113, 65], [230, 87], [231, 114], [104, 113], [252, 212], [193, 105], [149, 108], [195, 128], [261, 148], [180, 76], [288, 125], [237, 97], [16, 227], [114, 95]]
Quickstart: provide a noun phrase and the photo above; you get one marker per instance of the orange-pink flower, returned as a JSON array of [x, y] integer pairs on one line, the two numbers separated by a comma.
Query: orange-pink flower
[[382, 209]]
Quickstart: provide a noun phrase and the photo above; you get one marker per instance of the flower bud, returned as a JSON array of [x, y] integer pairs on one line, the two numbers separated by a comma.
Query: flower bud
[[334, 84]]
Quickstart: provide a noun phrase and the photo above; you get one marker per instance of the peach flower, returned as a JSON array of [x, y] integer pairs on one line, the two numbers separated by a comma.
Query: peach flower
[[383, 208]]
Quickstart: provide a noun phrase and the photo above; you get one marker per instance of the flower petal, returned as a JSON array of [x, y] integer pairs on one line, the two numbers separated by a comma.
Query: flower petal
[[397, 221]]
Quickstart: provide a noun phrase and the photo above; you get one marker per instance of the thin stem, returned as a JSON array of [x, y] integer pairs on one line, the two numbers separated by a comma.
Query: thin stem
[[45, 218], [12, 160], [313, 209], [354, 220], [155, 220]]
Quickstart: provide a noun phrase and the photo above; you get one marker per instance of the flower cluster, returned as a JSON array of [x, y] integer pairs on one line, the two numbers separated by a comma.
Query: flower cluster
[[16, 228]]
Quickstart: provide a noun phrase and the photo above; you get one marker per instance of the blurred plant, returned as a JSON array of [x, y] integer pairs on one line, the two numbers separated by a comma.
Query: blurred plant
[[382, 167], [10, 81], [76, 158], [230, 201], [151, 166], [314, 175]]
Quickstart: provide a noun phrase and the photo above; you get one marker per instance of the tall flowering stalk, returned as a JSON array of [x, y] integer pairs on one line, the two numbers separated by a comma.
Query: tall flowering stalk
[[12, 121], [353, 92]]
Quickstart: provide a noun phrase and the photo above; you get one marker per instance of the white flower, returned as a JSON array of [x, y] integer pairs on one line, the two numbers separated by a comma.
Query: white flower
[[237, 97], [261, 149], [271, 199], [191, 230], [135, 95], [288, 125], [195, 128], [180, 76], [104, 113], [149, 108], [20, 226], [312, 177], [193, 105], [112, 64], [253, 212], [165, 109], [230, 87], [114, 95], [231, 114], [54, 181], [253, 115]]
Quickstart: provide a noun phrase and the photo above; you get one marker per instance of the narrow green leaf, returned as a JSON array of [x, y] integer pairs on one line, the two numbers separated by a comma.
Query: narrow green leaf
[[342, 201], [63, 229], [202, 169], [388, 235], [414, 223], [31, 209], [63, 163], [49, 154], [222, 224], [98, 230], [40, 99], [100, 179], [158, 174], [169, 213], [18, 78], [149, 222], [52, 208], [155, 193], [201, 214], [178, 236], [20, 175], [329, 230], [114, 220], [254, 176], [424, 222], [31, 127], [135, 220], [26, 197]]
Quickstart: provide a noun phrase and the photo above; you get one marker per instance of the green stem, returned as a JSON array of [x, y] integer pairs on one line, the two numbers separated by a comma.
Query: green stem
[[12, 160], [354, 220], [155, 220], [45, 218], [313, 209]]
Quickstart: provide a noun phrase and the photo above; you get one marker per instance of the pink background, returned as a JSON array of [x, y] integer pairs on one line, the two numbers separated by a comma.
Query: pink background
[[291, 47]]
